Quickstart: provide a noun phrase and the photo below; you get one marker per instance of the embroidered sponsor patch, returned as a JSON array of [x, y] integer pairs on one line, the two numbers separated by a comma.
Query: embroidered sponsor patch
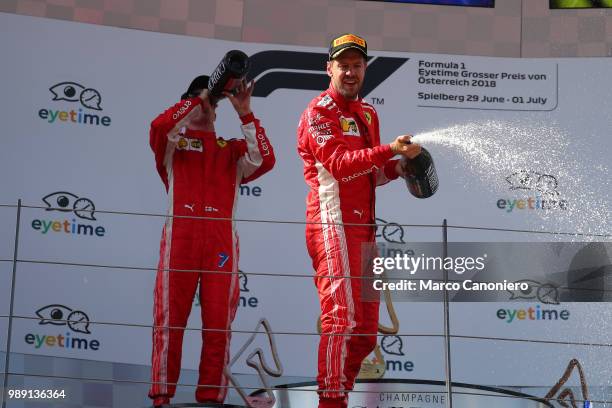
[[321, 139], [349, 38], [314, 120], [359, 174], [349, 126], [318, 129], [326, 100], [185, 143], [196, 144]]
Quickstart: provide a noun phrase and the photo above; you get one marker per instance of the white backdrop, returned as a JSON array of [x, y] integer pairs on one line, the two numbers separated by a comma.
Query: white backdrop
[[130, 76]]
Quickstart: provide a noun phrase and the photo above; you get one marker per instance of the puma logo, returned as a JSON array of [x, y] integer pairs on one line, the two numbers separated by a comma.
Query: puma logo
[[359, 213], [190, 207]]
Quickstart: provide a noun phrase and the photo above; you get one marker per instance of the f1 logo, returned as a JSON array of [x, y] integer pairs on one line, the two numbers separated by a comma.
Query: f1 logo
[[284, 64]]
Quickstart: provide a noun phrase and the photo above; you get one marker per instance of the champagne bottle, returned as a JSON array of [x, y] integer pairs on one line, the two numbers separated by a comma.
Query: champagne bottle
[[421, 177], [228, 75]]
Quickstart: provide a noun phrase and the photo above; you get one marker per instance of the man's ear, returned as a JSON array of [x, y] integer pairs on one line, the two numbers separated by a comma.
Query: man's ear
[[329, 68]]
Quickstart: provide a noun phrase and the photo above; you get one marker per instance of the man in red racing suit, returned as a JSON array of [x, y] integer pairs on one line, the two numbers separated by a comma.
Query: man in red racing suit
[[202, 174], [339, 142]]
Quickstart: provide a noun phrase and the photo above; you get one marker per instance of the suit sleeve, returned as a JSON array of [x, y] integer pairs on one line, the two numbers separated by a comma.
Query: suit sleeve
[[389, 173], [258, 156], [330, 149], [164, 131]]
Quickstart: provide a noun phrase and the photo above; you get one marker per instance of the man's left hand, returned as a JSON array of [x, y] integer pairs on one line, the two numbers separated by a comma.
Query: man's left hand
[[242, 100]]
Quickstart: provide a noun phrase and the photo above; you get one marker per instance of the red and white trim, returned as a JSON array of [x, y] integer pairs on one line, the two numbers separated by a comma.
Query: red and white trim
[[338, 269]]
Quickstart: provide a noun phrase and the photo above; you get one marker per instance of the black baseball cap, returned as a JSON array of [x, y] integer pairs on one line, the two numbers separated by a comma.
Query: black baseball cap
[[346, 41], [198, 84]]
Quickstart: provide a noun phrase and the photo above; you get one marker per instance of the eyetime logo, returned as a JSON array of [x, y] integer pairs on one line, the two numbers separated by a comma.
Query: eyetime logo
[[64, 201], [540, 192], [89, 100], [76, 338], [245, 299], [532, 313]]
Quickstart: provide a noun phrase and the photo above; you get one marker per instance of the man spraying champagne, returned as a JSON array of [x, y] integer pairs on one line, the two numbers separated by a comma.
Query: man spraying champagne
[[339, 143]]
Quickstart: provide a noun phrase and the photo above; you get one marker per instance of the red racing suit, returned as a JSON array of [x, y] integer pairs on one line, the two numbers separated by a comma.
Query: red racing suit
[[339, 143], [202, 174]]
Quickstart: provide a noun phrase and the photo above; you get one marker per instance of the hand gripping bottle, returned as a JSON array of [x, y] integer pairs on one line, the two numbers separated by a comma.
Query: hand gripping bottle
[[228, 75], [421, 177]]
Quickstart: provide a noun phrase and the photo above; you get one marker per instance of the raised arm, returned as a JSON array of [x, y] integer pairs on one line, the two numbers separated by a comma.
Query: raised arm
[[257, 155], [165, 129]]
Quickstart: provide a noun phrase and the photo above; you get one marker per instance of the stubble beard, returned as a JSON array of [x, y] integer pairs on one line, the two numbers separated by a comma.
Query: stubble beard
[[350, 95]]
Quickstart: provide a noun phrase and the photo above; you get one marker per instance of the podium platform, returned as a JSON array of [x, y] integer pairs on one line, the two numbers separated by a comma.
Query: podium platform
[[395, 393]]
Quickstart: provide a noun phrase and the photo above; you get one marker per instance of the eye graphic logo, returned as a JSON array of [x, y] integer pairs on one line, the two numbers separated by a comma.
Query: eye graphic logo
[[60, 315], [69, 340], [66, 202], [531, 180], [390, 232], [74, 92], [393, 345], [540, 192], [85, 110], [545, 292], [81, 207]]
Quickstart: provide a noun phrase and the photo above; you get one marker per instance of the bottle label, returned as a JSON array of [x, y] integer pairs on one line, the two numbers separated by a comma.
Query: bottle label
[[216, 76], [229, 73], [432, 176]]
